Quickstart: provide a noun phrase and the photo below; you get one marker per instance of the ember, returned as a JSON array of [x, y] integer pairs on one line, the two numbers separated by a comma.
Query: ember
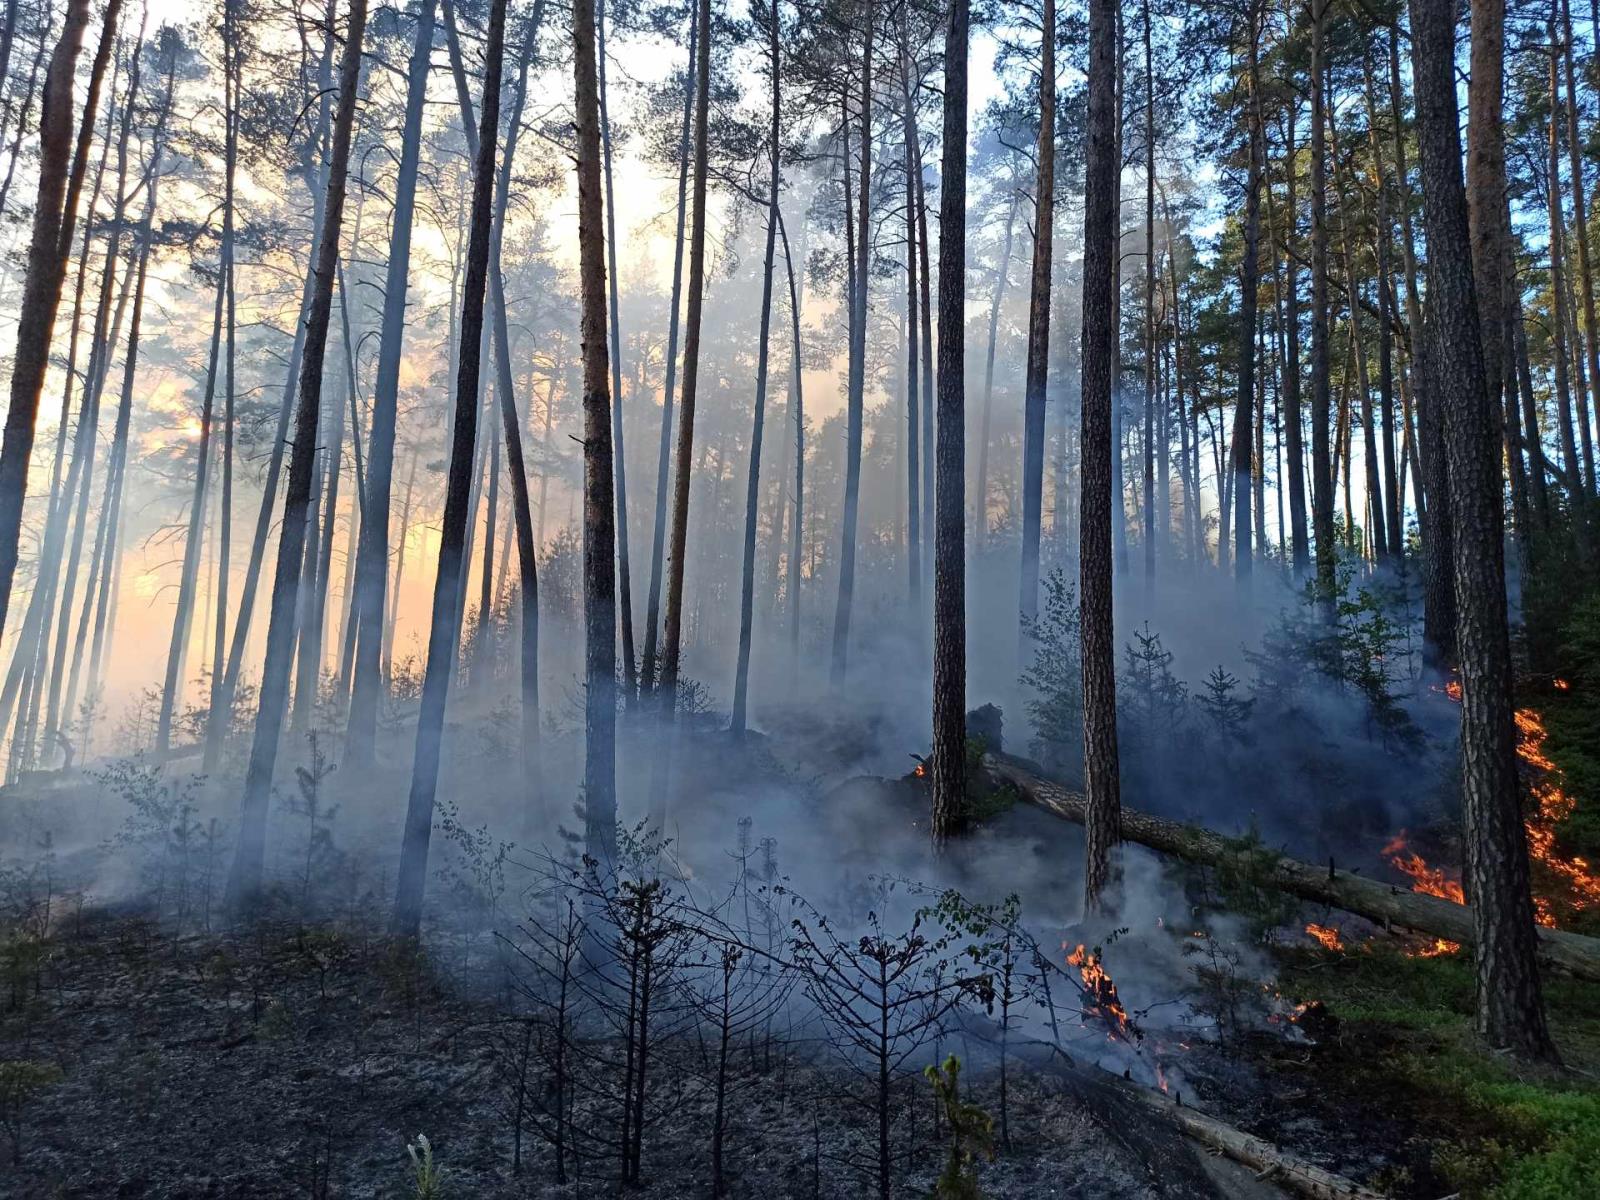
[[1325, 936]]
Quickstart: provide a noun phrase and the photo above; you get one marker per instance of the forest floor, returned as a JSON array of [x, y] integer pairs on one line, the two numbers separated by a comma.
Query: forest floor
[[302, 1061], [140, 1057]]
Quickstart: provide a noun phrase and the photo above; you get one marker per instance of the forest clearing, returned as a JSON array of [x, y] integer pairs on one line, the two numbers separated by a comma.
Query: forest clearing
[[799, 599]]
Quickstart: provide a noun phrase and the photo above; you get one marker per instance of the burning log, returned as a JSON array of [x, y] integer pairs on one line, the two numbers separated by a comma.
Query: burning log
[[1384, 903]]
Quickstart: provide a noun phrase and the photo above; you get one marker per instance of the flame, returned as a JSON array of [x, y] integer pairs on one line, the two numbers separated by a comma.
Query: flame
[[1430, 881], [1561, 685], [1102, 1000], [1328, 938], [1552, 805], [1435, 948], [922, 770], [1577, 885]]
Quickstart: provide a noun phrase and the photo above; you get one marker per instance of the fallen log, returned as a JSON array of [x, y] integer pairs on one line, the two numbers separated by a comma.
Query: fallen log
[[1124, 1106], [1385, 903]]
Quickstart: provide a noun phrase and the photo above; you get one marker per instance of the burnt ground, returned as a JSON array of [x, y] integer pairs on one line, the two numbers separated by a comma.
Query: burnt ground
[[300, 1061]]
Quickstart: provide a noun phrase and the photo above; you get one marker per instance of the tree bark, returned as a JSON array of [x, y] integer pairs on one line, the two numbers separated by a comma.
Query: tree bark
[[1033, 433], [41, 291], [949, 758], [741, 678], [1510, 1006], [1321, 399], [980, 499], [1244, 407], [649, 667], [1103, 825], [244, 881], [855, 405], [444, 633], [599, 511], [372, 551]]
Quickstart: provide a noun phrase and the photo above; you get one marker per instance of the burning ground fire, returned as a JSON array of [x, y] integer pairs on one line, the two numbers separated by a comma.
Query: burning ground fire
[[1576, 883]]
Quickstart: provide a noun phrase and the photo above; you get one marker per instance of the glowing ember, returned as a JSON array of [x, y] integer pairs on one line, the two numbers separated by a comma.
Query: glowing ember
[[1102, 1001], [1436, 948], [1327, 937]]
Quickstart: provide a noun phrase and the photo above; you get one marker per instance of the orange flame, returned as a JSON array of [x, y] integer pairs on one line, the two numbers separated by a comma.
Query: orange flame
[[1327, 937], [1430, 881], [1577, 882], [1103, 1000]]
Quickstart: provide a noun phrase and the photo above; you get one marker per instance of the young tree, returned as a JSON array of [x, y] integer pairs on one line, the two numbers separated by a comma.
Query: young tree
[[1510, 1008], [949, 547], [1102, 788], [444, 633], [244, 880]]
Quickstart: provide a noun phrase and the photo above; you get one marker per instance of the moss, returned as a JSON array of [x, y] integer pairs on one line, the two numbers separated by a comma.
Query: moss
[[1503, 1130]]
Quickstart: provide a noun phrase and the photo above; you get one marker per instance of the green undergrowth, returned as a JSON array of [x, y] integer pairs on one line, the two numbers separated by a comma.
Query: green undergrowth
[[1499, 1129]]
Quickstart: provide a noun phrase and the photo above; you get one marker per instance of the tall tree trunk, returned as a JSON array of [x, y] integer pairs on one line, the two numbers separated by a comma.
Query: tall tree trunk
[[980, 498], [741, 678], [317, 182], [1510, 1009], [855, 405], [372, 551], [620, 458], [244, 881], [1393, 502], [41, 290], [1244, 412], [917, 465], [1150, 366], [194, 536], [1299, 537], [444, 632], [1321, 399], [1102, 787], [599, 511], [1033, 433], [949, 756], [796, 526], [1589, 337], [1377, 529], [649, 671]]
